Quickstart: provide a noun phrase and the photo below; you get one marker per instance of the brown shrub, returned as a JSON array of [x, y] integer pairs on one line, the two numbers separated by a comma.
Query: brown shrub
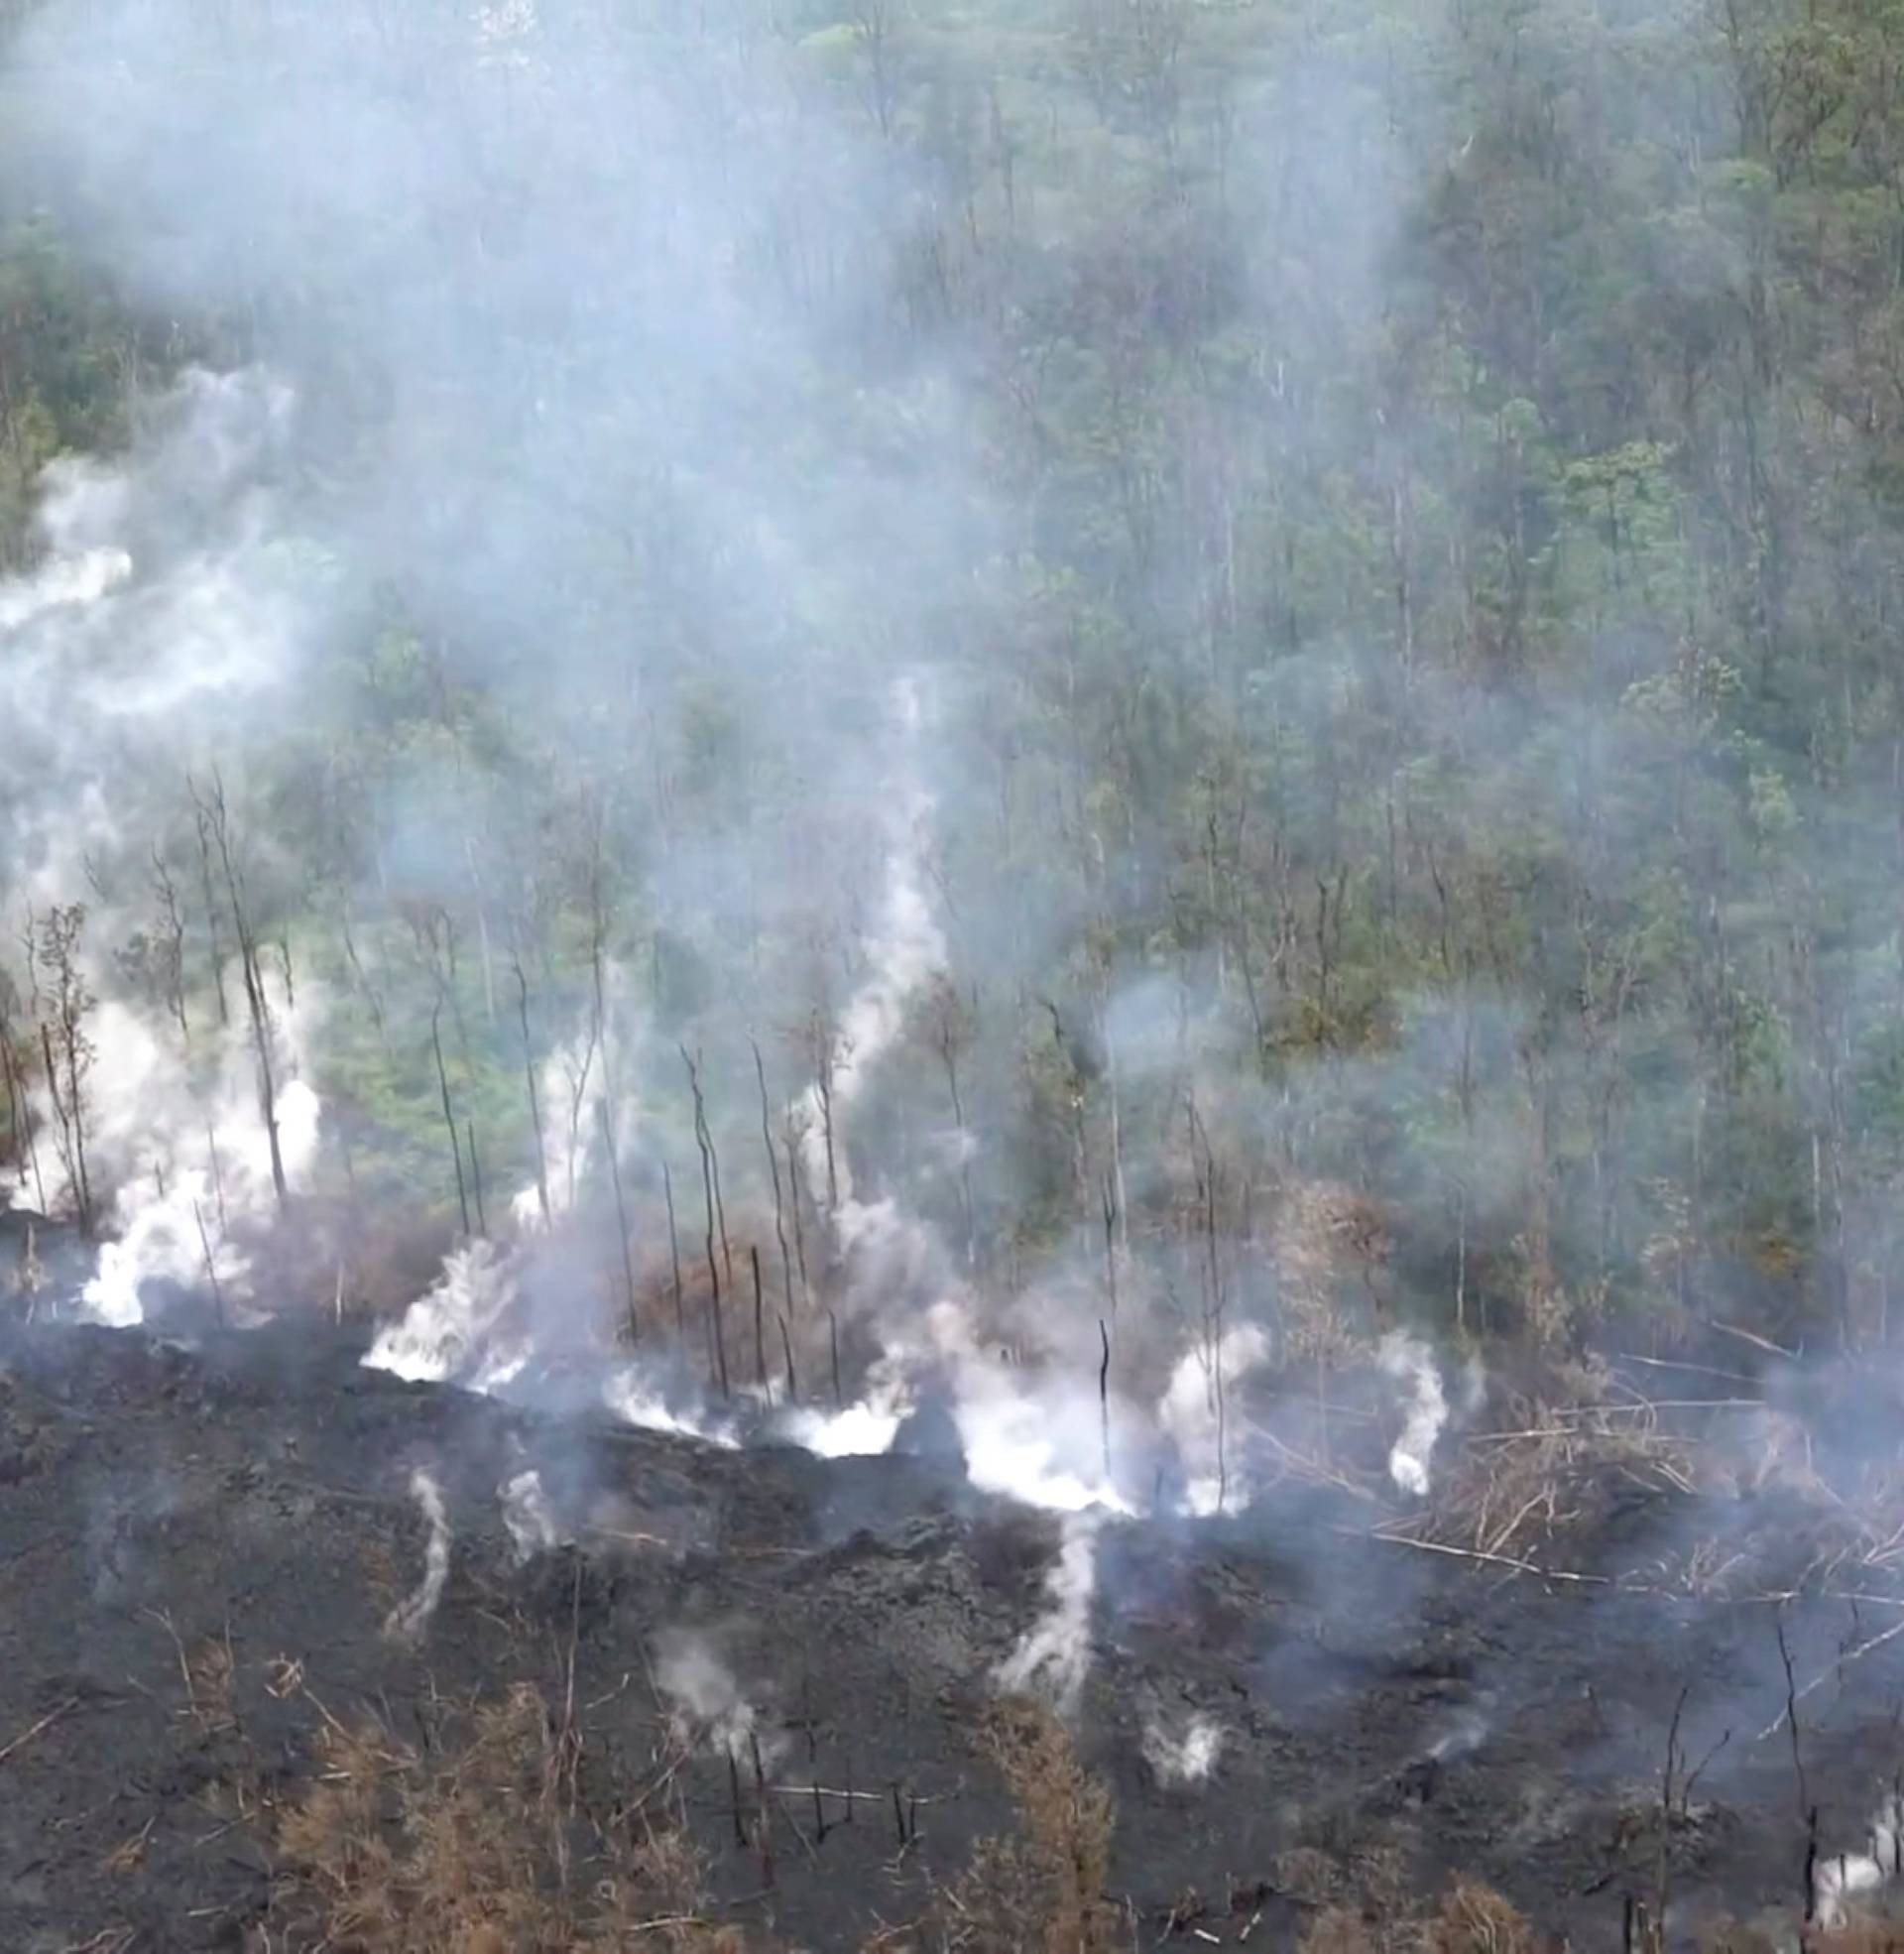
[[1339, 1930], [481, 1855], [1727, 1935], [1475, 1920], [1041, 1893], [1860, 1936]]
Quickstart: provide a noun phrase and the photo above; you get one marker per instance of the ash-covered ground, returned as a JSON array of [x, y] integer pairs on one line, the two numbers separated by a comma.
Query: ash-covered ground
[[1377, 1714]]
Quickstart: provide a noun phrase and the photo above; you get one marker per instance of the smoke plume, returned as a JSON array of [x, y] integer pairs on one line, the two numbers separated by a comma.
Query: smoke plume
[[410, 1618], [1184, 1757], [1410, 1360], [710, 1712], [1053, 1656]]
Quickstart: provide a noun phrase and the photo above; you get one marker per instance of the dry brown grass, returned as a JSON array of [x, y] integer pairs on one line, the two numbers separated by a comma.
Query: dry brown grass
[[1857, 1516], [1729, 1936], [1041, 1892], [1551, 1464], [1472, 1918], [1475, 1920], [1860, 1936], [481, 1853], [1340, 1930]]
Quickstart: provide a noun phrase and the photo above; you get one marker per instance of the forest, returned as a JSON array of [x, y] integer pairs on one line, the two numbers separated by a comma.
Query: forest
[[1385, 521], [1152, 745]]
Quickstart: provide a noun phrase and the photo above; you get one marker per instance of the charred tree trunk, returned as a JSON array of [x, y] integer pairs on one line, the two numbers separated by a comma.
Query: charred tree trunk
[[450, 1117], [675, 1255], [799, 1226], [621, 1220], [175, 939], [774, 1171], [212, 1266], [218, 819], [704, 1141], [59, 953], [69, 1150], [371, 999], [476, 1176], [203, 823], [19, 1110], [535, 1100]]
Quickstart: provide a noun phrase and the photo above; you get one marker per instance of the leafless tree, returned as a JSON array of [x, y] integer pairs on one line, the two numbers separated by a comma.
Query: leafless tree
[[774, 1171], [171, 946], [68, 1052], [621, 1217], [704, 1140], [529, 1077], [19, 1121], [215, 823]]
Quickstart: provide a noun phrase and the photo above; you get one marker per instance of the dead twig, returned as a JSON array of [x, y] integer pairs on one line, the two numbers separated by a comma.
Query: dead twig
[[1495, 1560], [1763, 1343], [1794, 1698], [33, 1730], [1697, 1370]]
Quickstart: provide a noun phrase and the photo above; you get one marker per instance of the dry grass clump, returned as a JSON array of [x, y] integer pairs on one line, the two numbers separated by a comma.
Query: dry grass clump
[[1473, 1918], [1857, 1515], [1727, 1935], [1042, 1892], [1859, 1937], [1554, 1460], [481, 1853], [1340, 1930]]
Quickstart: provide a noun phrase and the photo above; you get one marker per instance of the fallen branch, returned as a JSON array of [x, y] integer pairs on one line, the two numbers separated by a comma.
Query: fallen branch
[[1314, 1468], [28, 1735], [630, 1540], [1763, 1343], [1499, 1560], [1825, 1675], [1697, 1370]]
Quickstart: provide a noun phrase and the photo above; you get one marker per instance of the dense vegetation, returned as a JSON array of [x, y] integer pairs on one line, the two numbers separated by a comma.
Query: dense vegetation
[[1417, 725]]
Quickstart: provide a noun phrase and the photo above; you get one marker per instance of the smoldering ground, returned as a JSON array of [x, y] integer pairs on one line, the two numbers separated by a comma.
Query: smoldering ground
[[1367, 1701]]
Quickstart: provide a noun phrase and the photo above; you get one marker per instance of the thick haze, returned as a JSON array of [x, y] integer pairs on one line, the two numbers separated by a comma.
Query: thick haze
[[633, 523], [1284, 821]]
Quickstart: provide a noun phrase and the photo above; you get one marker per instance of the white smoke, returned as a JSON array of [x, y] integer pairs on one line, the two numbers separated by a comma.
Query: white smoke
[[129, 638], [1464, 1736], [1185, 1756], [1043, 1448], [569, 1090], [409, 1619], [863, 1429], [635, 1397], [529, 1516], [192, 1163], [1194, 1412], [904, 954], [1410, 1360], [1836, 1880], [82, 578], [134, 637], [451, 1334], [141, 628], [709, 1711], [1053, 1656], [1027, 1434], [469, 1329]]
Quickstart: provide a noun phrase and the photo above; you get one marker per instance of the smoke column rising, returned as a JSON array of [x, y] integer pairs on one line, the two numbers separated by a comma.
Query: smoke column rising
[[1053, 1656], [410, 1618]]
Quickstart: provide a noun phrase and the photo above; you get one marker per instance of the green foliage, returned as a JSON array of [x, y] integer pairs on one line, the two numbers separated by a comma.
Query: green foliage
[[1440, 623]]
